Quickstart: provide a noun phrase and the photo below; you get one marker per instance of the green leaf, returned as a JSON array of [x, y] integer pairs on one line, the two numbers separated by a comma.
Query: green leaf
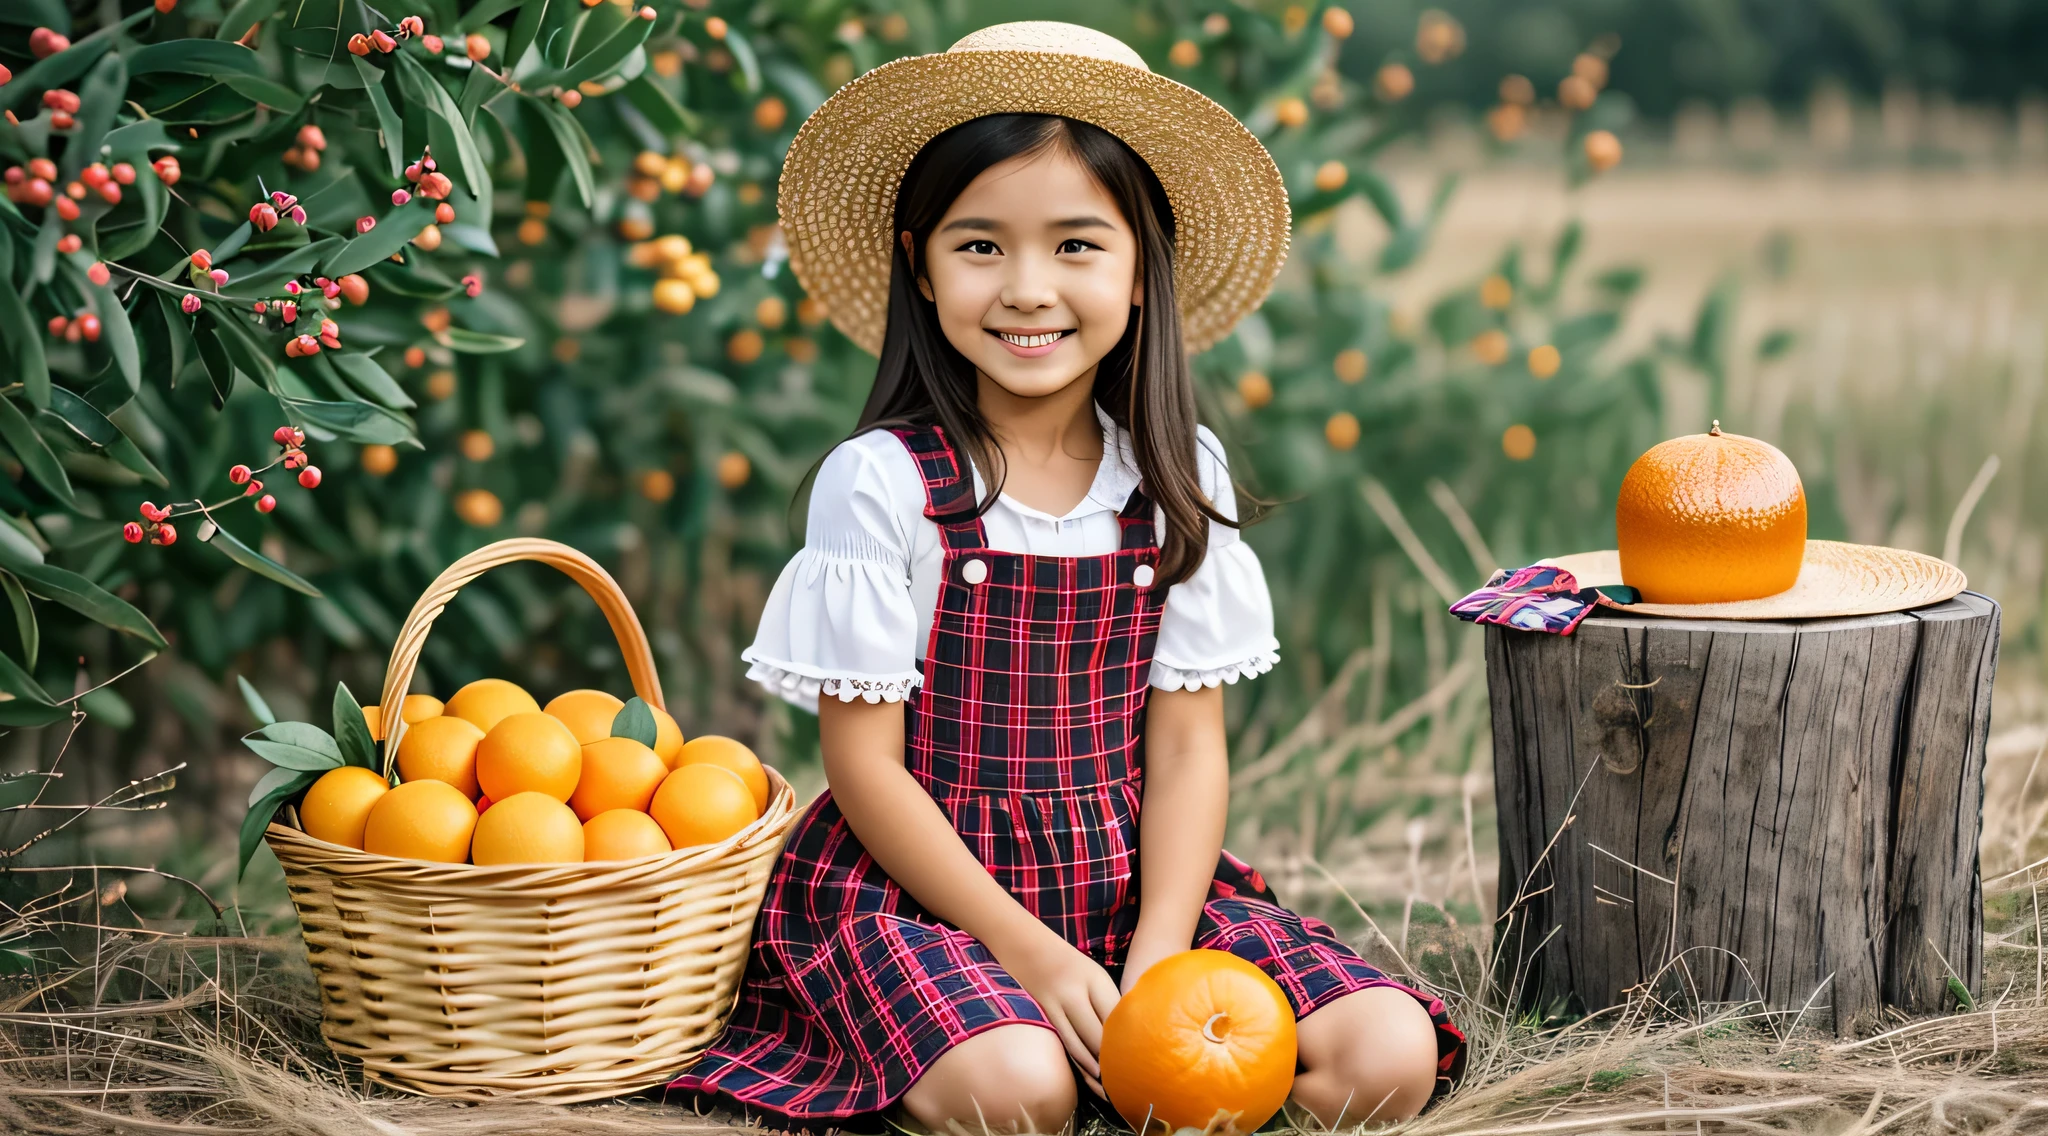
[[21, 685], [569, 140], [290, 266], [635, 720], [126, 241], [742, 50], [261, 812], [524, 29], [34, 453], [83, 418], [1961, 994], [87, 599], [21, 788], [292, 757], [256, 562], [367, 376], [99, 101], [205, 57], [392, 233], [24, 618], [56, 71], [388, 122], [232, 243], [1384, 200], [487, 11], [352, 730], [445, 118], [258, 708], [243, 16], [305, 735], [24, 342], [1776, 342], [119, 336], [213, 355], [662, 110], [477, 342], [242, 347], [356, 421], [262, 90], [613, 51]]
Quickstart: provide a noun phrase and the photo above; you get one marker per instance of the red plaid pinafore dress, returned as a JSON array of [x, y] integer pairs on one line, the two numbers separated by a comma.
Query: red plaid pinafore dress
[[1028, 731]]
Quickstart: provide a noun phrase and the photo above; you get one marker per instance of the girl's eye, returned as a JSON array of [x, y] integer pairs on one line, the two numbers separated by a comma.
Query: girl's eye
[[1084, 245], [984, 248]]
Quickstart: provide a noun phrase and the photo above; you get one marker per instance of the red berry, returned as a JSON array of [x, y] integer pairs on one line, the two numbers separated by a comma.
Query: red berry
[[262, 306], [263, 216], [94, 175], [149, 512], [43, 168], [132, 533], [354, 288], [219, 276], [291, 288], [412, 173], [43, 43], [166, 534], [16, 175], [58, 324], [62, 120], [309, 477], [266, 503], [167, 170], [255, 487], [412, 26], [239, 474], [281, 435], [382, 41], [365, 224], [89, 326], [67, 209], [124, 173], [110, 192], [444, 213], [165, 7], [311, 137], [432, 43], [202, 260], [435, 185], [400, 197], [473, 285], [288, 311], [359, 44], [97, 273], [69, 243], [190, 303], [298, 436], [38, 192], [75, 190]]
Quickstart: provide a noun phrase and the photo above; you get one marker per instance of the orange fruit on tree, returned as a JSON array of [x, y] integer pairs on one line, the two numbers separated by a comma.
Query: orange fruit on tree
[[1202, 1032], [711, 749], [668, 737], [623, 834], [441, 749], [527, 828], [339, 803], [1711, 518], [421, 820], [618, 773], [702, 804], [587, 713], [488, 701], [530, 752]]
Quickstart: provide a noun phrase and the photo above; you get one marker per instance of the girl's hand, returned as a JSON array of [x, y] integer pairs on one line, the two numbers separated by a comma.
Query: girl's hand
[[1075, 993]]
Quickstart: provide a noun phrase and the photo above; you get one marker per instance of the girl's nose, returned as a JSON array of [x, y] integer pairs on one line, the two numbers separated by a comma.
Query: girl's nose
[[1030, 284]]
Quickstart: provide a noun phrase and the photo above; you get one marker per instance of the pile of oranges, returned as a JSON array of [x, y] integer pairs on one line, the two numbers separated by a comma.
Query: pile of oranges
[[492, 777]]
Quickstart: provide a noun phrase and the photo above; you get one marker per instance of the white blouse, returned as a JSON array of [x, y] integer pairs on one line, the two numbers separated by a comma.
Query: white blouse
[[851, 614]]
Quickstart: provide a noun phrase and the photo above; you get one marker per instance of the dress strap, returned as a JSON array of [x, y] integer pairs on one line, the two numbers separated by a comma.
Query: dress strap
[[949, 496], [1135, 521]]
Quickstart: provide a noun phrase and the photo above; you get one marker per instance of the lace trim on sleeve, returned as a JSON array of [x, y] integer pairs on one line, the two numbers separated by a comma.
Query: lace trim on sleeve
[[1172, 678], [802, 689]]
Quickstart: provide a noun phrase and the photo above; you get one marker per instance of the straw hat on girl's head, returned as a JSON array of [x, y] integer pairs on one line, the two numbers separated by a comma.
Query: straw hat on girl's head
[[837, 195]]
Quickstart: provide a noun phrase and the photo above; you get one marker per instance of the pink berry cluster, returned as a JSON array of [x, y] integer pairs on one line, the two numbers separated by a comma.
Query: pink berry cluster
[[305, 155], [264, 215], [382, 41], [428, 184], [72, 329], [291, 443]]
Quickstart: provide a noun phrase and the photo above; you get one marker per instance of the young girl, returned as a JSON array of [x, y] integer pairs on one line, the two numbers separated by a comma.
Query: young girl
[[1021, 588]]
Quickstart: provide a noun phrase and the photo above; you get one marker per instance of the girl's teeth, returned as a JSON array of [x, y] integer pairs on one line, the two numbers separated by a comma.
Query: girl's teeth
[[1030, 340]]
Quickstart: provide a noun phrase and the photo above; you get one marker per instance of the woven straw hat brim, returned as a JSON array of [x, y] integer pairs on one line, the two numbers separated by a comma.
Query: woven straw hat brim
[[837, 194], [1836, 580]]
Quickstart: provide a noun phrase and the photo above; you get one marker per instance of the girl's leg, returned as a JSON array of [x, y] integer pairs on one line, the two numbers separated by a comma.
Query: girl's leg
[[1010, 1079], [1368, 1057]]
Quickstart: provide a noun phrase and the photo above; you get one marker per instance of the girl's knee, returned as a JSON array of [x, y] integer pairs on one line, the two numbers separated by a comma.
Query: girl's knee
[[1370, 1056], [1010, 1079]]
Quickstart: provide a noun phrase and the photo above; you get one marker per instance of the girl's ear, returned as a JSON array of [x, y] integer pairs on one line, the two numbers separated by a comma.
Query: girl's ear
[[924, 286]]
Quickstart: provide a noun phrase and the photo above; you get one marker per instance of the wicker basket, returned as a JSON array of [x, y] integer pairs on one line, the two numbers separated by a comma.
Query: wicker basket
[[556, 982]]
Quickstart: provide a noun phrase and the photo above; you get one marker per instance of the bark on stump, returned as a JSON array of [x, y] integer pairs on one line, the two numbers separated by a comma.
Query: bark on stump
[[1784, 812]]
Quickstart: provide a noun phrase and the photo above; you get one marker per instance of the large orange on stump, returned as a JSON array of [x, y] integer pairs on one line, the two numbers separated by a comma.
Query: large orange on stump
[[1202, 1032], [1711, 518]]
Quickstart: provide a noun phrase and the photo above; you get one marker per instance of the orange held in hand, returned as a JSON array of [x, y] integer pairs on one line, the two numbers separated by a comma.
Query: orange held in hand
[[702, 804], [1711, 518], [530, 752], [1202, 1033], [711, 749]]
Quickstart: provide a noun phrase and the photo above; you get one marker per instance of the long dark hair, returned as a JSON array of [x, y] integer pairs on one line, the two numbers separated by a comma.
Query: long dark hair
[[1143, 382]]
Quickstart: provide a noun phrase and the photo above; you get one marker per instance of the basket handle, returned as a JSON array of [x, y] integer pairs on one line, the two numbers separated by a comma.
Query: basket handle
[[412, 636]]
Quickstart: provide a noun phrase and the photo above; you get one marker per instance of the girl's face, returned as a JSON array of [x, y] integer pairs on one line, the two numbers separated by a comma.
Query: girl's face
[[1034, 272]]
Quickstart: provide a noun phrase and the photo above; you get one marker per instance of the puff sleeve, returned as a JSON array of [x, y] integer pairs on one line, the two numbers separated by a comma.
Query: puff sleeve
[[840, 620], [1218, 623]]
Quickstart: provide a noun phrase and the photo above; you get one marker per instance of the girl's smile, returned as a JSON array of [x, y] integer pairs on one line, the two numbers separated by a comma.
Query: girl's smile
[[1026, 344]]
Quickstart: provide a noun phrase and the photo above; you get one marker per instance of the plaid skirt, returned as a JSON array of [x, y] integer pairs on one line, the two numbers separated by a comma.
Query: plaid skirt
[[1028, 732]]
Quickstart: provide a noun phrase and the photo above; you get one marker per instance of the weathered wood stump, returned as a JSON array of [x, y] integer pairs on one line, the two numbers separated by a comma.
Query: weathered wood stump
[[1785, 812]]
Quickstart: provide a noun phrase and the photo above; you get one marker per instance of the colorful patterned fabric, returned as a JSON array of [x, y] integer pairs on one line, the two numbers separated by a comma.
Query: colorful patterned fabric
[[1541, 597], [1028, 732]]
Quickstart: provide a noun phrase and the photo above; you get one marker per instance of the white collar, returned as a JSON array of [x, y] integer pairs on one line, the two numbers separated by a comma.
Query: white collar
[[1115, 477]]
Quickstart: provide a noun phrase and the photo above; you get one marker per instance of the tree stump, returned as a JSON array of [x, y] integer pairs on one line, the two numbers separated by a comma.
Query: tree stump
[[1729, 811]]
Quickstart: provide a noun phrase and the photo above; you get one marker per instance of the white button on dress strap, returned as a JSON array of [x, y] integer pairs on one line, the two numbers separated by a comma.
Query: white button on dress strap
[[1142, 576], [974, 571]]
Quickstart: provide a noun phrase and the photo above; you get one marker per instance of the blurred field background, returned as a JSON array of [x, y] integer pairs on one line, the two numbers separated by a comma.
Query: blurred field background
[[1828, 229]]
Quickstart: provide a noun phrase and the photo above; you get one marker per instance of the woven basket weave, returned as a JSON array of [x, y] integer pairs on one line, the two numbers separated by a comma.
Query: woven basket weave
[[559, 982]]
